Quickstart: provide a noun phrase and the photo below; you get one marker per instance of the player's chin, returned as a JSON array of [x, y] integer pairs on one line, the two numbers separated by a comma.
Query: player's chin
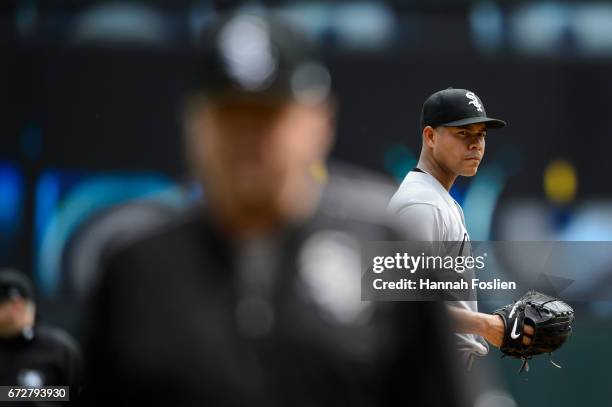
[[470, 168]]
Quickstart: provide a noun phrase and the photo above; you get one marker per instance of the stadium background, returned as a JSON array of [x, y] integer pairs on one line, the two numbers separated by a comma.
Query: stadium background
[[90, 96]]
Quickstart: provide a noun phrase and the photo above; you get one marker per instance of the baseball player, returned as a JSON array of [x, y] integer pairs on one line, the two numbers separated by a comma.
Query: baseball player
[[454, 124]]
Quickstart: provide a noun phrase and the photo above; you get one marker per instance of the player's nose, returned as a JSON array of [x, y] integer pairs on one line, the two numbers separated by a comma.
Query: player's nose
[[476, 143]]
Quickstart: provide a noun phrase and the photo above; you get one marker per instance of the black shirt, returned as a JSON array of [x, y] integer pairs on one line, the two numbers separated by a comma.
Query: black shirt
[[175, 322], [42, 356]]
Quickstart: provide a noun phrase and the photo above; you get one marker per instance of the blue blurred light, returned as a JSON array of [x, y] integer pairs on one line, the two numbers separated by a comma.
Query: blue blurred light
[[487, 24], [11, 194], [312, 17], [561, 217], [457, 191], [201, 15], [46, 200], [118, 23], [592, 28], [591, 222], [61, 208], [26, 17], [398, 160], [364, 24], [540, 28]]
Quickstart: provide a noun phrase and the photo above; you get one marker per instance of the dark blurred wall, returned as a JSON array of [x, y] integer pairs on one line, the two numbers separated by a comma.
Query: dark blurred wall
[[100, 109], [110, 109]]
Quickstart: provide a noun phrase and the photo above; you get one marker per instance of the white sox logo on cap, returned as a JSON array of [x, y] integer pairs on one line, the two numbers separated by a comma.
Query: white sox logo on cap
[[474, 101]]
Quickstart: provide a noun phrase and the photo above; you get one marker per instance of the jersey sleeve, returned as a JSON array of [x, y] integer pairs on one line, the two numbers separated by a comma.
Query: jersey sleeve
[[422, 222]]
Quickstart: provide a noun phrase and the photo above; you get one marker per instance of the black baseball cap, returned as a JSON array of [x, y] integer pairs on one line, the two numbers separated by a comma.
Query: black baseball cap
[[259, 55], [15, 284], [456, 107]]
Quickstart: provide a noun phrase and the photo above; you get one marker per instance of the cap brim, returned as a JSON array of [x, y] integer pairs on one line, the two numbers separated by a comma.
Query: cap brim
[[490, 122]]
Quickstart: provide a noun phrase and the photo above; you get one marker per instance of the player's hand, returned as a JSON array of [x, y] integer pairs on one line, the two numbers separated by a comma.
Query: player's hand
[[494, 334]]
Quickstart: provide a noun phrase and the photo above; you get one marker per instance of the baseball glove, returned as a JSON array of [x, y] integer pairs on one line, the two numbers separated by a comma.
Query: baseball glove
[[550, 318]]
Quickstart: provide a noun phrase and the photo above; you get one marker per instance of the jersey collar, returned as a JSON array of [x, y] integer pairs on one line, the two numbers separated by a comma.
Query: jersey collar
[[419, 174]]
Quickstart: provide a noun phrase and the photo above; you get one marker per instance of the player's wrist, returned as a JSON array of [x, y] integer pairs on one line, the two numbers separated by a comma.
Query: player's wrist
[[493, 330], [485, 323]]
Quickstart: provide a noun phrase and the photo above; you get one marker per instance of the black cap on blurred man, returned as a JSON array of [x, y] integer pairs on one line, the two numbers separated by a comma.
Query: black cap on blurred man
[[254, 298], [32, 355], [247, 55], [15, 285], [259, 122]]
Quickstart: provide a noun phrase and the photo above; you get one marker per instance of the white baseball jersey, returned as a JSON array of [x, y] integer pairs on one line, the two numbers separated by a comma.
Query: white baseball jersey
[[431, 214]]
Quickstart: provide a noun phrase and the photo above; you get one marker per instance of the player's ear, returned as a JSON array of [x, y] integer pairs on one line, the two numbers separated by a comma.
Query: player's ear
[[429, 136]]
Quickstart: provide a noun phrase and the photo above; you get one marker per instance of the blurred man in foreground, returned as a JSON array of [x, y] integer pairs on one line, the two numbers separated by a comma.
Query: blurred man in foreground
[[255, 298], [32, 355]]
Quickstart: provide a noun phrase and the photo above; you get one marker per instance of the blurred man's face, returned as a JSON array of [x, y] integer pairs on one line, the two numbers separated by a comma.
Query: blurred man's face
[[460, 149], [258, 157], [15, 314], [7, 312]]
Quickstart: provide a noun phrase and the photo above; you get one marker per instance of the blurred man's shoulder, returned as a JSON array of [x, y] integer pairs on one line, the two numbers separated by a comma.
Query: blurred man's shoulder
[[173, 232], [49, 336], [358, 197]]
